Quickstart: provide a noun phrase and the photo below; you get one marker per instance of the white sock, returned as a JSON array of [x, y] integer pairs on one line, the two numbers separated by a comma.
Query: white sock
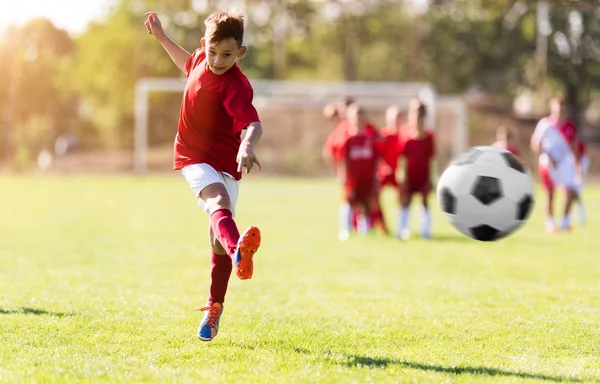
[[566, 222], [362, 224], [581, 210], [550, 224], [345, 217], [402, 222], [426, 223]]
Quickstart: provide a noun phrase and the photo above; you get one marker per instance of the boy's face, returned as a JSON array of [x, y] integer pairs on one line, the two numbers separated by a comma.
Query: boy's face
[[356, 118], [221, 55]]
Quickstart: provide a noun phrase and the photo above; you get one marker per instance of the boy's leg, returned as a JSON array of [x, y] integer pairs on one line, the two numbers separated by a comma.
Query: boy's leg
[[405, 197], [345, 220], [221, 267], [425, 215], [549, 190], [241, 248]]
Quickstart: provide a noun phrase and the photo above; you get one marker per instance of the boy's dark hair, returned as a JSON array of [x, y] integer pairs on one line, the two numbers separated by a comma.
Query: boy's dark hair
[[223, 25]]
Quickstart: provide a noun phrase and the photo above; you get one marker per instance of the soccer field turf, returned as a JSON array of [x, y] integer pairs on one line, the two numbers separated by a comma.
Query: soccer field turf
[[99, 277]]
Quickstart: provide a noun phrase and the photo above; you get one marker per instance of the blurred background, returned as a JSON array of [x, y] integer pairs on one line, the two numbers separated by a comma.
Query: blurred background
[[75, 94]]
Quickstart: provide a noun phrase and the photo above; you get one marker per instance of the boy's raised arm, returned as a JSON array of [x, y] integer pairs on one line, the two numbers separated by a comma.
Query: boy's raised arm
[[179, 55]]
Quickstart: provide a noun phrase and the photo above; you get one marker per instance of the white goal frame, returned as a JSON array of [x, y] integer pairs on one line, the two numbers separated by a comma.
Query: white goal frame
[[306, 93]]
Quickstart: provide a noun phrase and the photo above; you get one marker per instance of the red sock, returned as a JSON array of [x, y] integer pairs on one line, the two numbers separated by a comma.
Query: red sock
[[220, 271], [225, 229]]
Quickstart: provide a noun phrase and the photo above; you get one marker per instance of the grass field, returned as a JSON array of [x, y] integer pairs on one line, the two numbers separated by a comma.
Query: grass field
[[99, 277]]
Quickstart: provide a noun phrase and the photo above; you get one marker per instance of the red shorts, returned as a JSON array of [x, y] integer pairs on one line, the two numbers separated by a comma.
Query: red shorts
[[388, 180], [545, 178], [360, 195], [409, 187]]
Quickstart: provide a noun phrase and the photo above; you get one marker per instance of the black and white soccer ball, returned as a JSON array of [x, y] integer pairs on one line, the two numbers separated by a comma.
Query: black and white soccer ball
[[486, 193]]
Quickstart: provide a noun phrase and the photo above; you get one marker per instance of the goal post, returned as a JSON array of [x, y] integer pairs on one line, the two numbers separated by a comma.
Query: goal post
[[282, 102]]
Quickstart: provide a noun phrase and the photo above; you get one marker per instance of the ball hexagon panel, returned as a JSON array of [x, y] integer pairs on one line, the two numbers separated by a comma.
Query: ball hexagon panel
[[487, 189], [447, 201], [485, 233], [458, 178], [513, 162], [471, 213], [524, 207]]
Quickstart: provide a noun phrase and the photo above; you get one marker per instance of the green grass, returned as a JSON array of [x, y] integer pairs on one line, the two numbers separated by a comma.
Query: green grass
[[99, 277]]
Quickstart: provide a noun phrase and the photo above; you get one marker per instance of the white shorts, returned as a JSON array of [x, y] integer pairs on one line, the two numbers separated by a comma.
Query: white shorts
[[563, 174], [200, 176]]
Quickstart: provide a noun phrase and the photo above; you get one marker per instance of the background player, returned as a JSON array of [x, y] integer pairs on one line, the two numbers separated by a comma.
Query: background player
[[418, 151], [359, 174], [555, 142]]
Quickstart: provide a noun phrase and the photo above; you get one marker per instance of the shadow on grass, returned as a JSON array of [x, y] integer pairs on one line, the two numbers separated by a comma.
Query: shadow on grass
[[448, 238], [379, 362], [33, 311]]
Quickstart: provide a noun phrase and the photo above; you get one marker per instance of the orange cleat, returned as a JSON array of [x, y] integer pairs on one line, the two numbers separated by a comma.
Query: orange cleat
[[247, 246]]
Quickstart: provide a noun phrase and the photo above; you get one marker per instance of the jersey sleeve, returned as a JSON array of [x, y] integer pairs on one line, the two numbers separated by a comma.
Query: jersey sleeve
[[194, 59], [238, 104]]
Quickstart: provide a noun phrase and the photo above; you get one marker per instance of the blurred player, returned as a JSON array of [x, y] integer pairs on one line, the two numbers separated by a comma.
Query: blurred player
[[554, 141], [506, 139], [216, 107], [332, 153], [358, 170], [418, 150]]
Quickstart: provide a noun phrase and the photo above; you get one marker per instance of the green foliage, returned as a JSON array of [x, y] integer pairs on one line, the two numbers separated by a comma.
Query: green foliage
[[85, 84]]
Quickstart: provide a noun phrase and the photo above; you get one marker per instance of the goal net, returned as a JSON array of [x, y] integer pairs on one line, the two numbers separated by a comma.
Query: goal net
[[295, 128]]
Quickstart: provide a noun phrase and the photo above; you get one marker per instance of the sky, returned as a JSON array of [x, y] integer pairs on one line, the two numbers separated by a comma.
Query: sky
[[72, 15]]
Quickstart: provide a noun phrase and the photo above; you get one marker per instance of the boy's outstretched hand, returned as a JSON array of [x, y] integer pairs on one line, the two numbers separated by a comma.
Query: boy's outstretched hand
[[246, 158], [153, 25]]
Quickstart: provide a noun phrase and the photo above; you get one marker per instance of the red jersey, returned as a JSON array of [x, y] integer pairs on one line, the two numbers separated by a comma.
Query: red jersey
[[568, 130], [360, 157], [418, 154], [214, 111], [337, 137]]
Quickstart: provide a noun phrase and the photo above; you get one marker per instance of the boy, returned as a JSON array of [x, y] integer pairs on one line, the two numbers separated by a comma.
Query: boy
[[554, 141], [358, 170], [418, 149], [216, 107], [332, 152]]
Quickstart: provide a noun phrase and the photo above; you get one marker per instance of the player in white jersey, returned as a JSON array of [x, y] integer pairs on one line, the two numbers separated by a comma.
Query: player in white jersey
[[554, 140]]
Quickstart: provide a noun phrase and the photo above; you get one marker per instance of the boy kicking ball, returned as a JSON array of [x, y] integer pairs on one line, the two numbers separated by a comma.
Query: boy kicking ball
[[216, 107]]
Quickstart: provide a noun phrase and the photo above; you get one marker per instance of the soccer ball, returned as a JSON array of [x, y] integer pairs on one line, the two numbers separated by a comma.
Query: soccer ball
[[486, 193]]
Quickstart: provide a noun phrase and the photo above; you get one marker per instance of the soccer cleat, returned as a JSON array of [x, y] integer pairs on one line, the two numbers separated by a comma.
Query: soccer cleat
[[247, 246], [343, 235], [209, 326], [403, 234]]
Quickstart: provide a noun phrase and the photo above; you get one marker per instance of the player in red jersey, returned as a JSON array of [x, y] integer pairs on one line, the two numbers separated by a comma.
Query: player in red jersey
[[332, 152], [554, 141], [506, 139], [216, 108], [358, 170], [418, 150]]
